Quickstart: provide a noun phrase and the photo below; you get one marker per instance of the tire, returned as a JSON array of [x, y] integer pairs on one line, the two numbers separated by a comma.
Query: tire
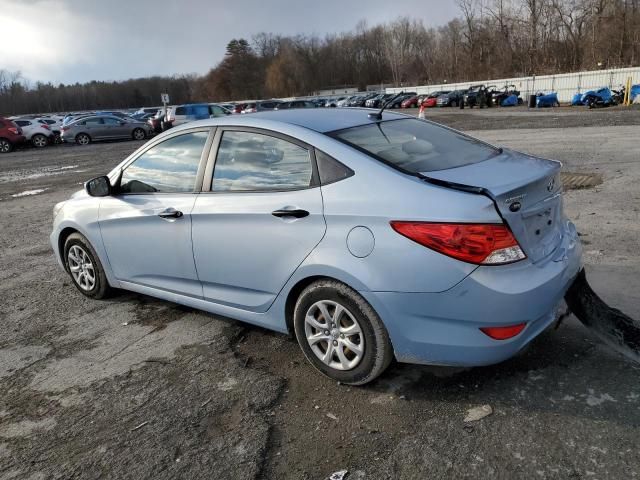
[[454, 104], [83, 139], [139, 134], [5, 145], [358, 317], [79, 256], [39, 141]]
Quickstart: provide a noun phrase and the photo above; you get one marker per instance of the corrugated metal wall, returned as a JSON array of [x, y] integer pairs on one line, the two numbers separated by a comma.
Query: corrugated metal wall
[[566, 84]]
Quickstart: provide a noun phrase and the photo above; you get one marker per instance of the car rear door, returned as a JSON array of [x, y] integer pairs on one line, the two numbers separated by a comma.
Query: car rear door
[[146, 226], [261, 217], [95, 127]]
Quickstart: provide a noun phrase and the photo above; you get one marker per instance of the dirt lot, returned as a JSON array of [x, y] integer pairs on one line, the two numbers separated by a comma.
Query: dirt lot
[[134, 387]]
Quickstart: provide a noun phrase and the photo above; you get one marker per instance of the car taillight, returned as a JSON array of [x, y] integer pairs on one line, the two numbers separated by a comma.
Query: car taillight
[[14, 130], [503, 333], [45, 126], [64, 129], [481, 244]]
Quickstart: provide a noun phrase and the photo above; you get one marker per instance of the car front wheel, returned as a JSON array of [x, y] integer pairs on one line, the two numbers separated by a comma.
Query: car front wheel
[[84, 267], [138, 134], [340, 333]]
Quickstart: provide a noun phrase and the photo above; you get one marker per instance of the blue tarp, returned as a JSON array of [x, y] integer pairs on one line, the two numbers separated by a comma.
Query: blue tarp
[[510, 101], [604, 93], [577, 99], [548, 100], [635, 90]]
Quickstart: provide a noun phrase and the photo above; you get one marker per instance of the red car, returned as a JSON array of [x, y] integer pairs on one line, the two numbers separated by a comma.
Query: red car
[[410, 102], [432, 99], [10, 135]]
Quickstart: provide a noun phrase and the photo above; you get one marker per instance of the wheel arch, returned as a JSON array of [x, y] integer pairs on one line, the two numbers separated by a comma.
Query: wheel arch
[[62, 238]]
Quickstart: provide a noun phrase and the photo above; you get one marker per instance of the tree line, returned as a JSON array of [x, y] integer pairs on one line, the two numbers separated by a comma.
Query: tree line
[[488, 39]]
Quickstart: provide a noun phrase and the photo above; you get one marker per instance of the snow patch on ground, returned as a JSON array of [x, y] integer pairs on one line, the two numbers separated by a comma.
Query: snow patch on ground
[[20, 175], [26, 193]]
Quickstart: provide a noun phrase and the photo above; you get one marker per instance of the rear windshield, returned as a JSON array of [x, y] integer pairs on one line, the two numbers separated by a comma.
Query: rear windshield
[[416, 146]]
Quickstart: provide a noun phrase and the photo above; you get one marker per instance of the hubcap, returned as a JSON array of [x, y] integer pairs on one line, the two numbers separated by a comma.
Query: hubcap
[[83, 140], [138, 134], [4, 146], [81, 268], [39, 141], [334, 335]]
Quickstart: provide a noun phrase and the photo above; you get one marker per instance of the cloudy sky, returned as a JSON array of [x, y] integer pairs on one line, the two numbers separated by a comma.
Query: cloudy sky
[[80, 40]]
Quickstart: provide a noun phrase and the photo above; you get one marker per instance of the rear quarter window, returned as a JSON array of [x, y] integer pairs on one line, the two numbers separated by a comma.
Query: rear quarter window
[[416, 146]]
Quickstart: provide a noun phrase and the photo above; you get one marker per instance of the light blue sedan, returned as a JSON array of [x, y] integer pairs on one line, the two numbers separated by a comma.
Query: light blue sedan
[[371, 237]]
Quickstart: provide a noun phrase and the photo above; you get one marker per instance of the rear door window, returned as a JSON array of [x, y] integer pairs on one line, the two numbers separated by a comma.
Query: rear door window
[[248, 161], [416, 146]]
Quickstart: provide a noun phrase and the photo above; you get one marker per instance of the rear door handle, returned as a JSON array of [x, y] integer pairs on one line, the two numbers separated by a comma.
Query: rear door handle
[[295, 212], [170, 213]]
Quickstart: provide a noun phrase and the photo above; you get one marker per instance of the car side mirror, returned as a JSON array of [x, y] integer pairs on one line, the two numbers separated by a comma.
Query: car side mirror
[[99, 187]]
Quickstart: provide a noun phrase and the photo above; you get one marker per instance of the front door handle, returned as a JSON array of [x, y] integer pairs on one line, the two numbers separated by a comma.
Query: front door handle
[[170, 213], [296, 212]]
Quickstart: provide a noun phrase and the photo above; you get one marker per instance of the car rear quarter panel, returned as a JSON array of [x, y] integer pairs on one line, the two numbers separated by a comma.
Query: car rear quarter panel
[[374, 196]]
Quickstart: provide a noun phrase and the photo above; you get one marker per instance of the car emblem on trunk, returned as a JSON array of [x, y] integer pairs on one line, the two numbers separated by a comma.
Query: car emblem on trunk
[[515, 206], [551, 184]]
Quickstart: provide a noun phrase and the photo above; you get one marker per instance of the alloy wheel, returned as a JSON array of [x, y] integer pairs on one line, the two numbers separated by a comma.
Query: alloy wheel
[[81, 268], [138, 134], [39, 141], [334, 335], [83, 139], [5, 146]]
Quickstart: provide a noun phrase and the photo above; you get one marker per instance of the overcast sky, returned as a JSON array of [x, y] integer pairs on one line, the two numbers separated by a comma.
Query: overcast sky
[[79, 40]]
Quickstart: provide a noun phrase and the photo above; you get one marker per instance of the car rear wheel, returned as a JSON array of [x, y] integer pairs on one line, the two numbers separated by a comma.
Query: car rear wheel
[[84, 267], [39, 140], [340, 333], [5, 145], [83, 139], [138, 134]]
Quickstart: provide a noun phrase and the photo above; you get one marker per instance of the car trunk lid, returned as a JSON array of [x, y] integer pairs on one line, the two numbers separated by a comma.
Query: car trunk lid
[[527, 193]]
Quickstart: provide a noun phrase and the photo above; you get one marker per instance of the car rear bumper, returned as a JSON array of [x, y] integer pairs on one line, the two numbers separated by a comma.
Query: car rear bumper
[[444, 328]]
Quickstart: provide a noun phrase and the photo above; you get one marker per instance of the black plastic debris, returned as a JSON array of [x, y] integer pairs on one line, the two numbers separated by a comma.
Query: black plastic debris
[[613, 327]]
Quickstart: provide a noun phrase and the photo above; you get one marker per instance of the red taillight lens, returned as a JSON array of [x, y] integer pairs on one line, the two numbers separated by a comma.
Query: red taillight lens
[[14, 130], [503, 333], [64, 129], [487, 244], [45, 126]]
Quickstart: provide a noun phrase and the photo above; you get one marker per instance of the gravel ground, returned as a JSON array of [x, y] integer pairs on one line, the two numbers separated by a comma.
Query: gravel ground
[[134, 387]]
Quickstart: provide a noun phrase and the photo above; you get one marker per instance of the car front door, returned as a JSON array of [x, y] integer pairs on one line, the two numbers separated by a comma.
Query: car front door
[[116, 128], [146, 225], [261, 218]]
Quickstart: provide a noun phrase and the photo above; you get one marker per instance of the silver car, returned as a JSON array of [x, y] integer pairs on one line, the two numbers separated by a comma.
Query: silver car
[[104, 127]]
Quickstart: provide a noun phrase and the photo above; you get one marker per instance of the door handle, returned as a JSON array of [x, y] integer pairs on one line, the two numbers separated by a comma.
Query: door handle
[[170, 213], [295, 212]]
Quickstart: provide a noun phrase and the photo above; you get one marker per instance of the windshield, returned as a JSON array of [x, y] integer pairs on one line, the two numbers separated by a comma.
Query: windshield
[[416, 146]]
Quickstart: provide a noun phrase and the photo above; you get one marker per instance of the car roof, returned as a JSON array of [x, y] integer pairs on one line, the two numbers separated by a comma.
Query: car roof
[[318, 119]]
